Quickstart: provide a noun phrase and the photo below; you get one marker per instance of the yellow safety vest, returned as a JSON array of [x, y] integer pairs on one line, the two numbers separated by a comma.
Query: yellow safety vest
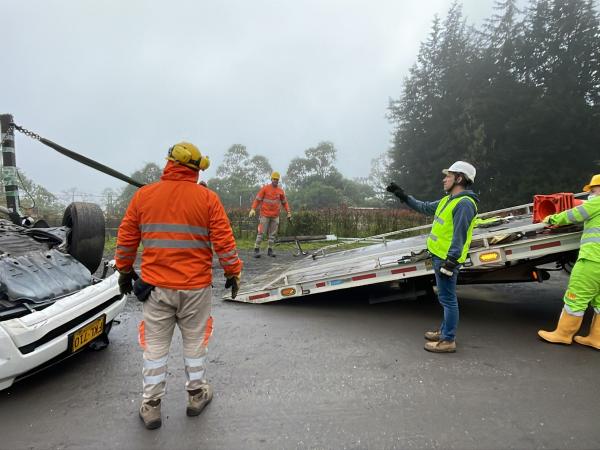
[[442, 231]]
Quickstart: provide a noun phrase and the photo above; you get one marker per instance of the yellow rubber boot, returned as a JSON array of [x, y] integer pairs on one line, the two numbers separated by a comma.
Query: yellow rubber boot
[[567, 326], [592, 339]]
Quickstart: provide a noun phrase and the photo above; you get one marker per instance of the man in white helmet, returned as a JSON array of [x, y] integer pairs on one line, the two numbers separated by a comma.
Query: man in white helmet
[[448, 243]]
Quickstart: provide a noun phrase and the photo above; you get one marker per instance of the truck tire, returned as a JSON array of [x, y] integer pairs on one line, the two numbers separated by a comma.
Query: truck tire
[[85, 239]]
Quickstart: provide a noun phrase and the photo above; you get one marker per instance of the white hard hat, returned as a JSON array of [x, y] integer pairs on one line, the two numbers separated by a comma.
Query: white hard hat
[[463, 167]]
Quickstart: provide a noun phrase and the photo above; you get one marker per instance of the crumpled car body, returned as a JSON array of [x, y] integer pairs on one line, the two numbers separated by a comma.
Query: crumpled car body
[[52, 306]]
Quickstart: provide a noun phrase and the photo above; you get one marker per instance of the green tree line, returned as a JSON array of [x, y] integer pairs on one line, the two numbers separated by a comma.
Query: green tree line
[[311, 182], [518, 98]]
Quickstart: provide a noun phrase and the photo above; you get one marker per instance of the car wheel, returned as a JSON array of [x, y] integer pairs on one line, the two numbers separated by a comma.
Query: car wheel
[[85, 239]]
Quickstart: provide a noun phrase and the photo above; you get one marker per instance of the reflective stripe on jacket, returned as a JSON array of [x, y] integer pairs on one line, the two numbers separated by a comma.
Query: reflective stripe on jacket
[[271, 199], [179, 223], [442, 231], [587, 213]]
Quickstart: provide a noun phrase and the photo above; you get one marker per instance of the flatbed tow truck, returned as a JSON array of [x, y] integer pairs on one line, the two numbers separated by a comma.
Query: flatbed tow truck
[[509, 248]]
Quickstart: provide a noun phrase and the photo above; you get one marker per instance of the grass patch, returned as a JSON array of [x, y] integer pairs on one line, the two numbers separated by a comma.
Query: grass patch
[[248, 244], [110, 245]]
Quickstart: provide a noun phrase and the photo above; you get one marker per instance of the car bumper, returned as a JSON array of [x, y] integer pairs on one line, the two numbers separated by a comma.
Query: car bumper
[[28, 342]]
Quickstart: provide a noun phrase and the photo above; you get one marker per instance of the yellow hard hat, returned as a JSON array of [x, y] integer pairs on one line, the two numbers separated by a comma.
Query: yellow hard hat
[[275, 176], [595, 181], [188, 155]]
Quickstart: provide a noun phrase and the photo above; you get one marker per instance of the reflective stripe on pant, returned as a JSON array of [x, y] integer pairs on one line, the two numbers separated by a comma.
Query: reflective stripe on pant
[[584, 287], [267, 225], [446, 291], [190, 310]]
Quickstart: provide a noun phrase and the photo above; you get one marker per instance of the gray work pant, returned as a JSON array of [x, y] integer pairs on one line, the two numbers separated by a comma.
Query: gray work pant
[[267, 225], [190, 310]]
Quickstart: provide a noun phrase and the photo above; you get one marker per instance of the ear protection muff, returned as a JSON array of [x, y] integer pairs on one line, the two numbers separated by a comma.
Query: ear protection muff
[[204, 163], [180, 153]]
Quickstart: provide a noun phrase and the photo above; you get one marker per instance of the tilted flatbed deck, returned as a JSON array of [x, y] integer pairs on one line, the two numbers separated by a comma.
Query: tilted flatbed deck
[[507, 252]]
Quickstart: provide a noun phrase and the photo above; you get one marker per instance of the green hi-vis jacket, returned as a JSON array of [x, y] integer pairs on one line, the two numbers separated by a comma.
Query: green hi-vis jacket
[[442, 231], [589, 214]]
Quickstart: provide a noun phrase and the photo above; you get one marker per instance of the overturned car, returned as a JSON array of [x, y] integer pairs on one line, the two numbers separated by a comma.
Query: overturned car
[[52, 305]]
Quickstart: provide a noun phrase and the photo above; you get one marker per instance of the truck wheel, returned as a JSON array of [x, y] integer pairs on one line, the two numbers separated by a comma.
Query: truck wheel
[[568, 261], [85, 239]]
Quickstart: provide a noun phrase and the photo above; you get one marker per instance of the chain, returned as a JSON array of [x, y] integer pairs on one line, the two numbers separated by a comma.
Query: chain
[[26, 132], [8, 132]]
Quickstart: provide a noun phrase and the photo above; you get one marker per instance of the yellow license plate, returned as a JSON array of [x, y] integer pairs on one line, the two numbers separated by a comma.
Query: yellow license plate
[[87, 333]]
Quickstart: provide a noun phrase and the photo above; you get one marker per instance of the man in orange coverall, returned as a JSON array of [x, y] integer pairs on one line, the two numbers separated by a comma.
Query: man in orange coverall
[[180, 223], [269, 198]]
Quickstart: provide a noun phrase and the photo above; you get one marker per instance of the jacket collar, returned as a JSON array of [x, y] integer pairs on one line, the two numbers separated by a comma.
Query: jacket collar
[[465, 193], [178, 172]]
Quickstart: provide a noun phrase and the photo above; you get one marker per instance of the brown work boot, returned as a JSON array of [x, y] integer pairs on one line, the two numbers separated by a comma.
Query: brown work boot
[[270, 252], [433, 336], [441, 346], [150, 414], [198, 399]]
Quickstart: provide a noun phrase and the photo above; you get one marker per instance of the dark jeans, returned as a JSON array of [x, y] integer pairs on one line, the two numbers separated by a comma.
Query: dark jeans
[[446, 287]]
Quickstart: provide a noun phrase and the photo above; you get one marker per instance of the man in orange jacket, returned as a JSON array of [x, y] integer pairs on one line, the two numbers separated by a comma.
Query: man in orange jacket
[[269, 198], [180, 223]]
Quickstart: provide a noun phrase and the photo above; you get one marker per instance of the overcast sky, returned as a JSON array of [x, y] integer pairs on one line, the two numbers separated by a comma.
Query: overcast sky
[[121, 80]]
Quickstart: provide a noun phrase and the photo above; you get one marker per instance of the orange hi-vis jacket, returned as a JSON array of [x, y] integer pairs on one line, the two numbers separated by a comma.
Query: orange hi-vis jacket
[[177, 221], [271, 198]]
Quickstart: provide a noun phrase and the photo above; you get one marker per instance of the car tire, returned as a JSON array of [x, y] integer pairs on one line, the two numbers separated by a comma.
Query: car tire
[[85, 239]]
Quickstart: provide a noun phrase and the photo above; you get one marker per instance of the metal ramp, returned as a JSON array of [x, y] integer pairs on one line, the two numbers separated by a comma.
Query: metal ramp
[[512, 240]]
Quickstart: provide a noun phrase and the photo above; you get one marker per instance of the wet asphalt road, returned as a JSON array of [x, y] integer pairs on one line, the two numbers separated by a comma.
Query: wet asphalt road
[[332, 372]]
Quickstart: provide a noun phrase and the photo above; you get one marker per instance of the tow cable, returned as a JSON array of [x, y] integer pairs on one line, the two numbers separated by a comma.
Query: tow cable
[[75, 156]]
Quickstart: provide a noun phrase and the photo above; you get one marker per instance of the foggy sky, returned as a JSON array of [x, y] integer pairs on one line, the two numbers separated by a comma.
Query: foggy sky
[[121, 81]]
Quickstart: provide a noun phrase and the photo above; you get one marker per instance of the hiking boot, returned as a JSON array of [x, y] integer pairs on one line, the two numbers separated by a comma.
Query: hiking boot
[[256, 252], [433, 336], [441, 347], [270, 252], [150, 414], [198, 399]]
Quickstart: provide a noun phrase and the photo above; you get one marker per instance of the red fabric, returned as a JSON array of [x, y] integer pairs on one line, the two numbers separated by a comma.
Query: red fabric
[[270, 198], [177, 221]]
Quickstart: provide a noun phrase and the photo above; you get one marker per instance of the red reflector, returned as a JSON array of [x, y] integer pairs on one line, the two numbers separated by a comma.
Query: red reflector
[[256, 297], [546, 245], [404, 270], [322, 284], [364, 277], [508, 252]]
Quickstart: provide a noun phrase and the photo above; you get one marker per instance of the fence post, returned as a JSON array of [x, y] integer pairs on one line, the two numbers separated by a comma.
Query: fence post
[[9, 168]]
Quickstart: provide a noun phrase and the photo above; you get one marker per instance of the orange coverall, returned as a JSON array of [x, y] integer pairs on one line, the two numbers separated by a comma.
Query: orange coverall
[[180, 224]]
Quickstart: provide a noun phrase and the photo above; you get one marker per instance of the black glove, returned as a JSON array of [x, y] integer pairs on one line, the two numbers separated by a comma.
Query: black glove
[[449, 266], [126, 280], [233, 282], [397, 191]]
